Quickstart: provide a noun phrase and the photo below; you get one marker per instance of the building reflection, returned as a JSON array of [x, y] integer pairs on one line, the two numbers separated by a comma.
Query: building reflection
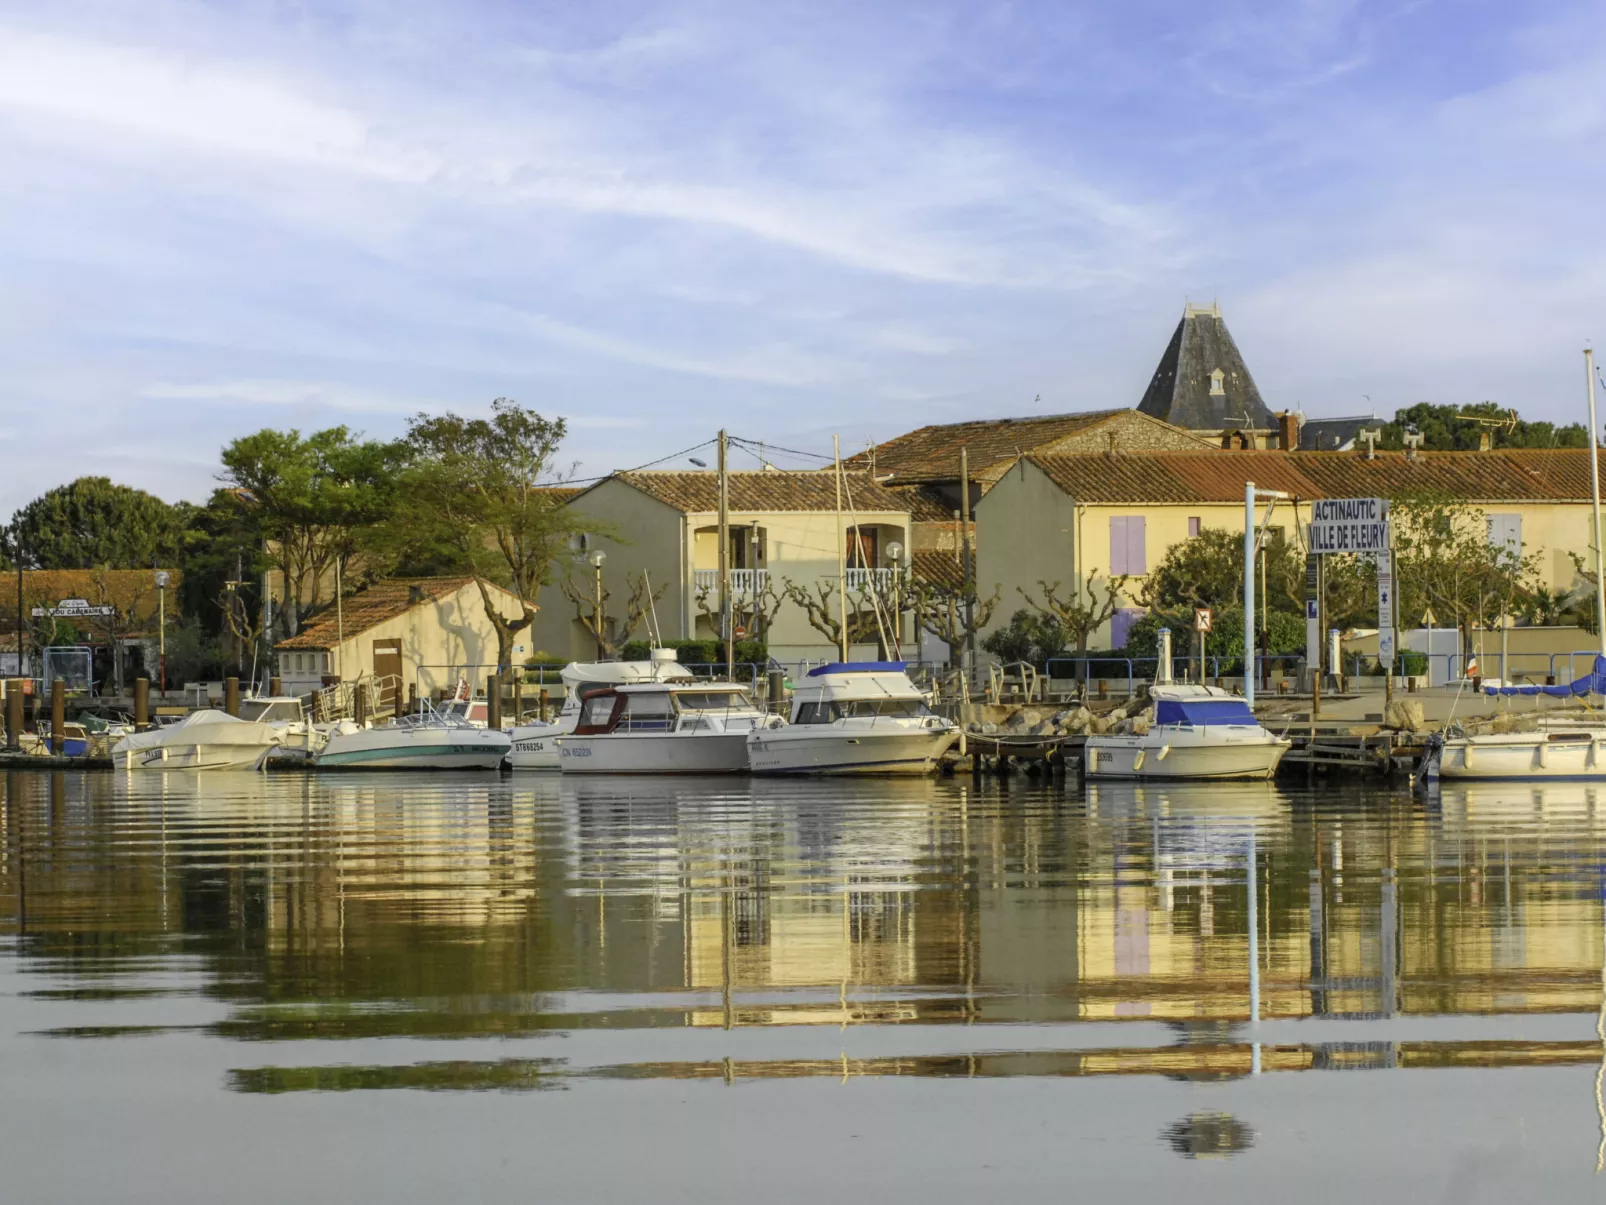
[[460, 906]]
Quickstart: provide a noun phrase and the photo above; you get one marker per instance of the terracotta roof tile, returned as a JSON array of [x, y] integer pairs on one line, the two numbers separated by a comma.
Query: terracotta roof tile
[[368, 608], [1158, 478], [937, 567], [766, 490], [932, 453]]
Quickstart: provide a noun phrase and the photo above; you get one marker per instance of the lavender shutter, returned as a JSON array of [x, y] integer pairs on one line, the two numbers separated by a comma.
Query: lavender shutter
[[1118, 544], [1137, 559]]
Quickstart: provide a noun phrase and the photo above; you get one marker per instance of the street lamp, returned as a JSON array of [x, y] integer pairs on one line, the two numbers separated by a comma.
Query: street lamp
[[597, 558], [161, 637], [895, 555]]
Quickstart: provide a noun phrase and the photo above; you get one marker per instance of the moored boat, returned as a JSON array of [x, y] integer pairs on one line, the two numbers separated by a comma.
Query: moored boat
[[1198, 732], [427, 740], [203, 740], [863, 717], [680, 727], [535, 745]]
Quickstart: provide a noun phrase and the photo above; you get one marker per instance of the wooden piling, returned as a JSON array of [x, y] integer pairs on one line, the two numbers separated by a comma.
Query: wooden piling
[[275, 686], [518, 697], [493, 702], [231, 696], [142, 704], [58, 717], [14, 715], [412, 698], [360, 704], [545, 701]]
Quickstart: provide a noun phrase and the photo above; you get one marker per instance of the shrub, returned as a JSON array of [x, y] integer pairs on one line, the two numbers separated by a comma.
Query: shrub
[[1029, 636]]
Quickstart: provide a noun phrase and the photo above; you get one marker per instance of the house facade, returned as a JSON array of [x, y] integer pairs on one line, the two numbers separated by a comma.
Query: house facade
[[1080, 518], [428, 633], [659, 534]]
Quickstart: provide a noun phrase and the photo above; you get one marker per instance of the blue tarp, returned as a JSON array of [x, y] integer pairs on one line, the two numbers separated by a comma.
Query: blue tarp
[[1590, 684], [1203, 711], [860, 667]]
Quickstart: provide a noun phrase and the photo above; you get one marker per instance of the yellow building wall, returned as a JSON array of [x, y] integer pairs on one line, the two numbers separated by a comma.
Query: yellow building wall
[[1023, 521]]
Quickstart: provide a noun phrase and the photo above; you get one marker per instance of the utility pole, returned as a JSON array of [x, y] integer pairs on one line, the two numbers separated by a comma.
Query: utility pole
[[597, 558], [161, 595], [970, 560], [726, 627]]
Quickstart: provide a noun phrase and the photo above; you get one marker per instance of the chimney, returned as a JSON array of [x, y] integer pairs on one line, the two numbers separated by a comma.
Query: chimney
[[1288, 430], [415, 595], [1110, 451]]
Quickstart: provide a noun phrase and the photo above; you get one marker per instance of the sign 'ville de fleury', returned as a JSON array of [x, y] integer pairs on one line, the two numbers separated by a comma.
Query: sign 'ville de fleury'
[[1349, 525]]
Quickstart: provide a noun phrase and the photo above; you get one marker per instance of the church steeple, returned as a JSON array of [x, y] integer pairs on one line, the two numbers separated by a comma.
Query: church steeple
[[1202, 381]]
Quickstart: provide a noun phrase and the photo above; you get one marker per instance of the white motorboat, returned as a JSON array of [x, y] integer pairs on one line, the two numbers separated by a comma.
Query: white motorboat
[[862, 717], [426, 740], [1553, 748], [679, 727], [535, 745], [1199, 732], [212, 740]]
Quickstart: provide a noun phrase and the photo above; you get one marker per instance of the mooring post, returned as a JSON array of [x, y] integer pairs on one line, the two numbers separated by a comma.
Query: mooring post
[[275, 686], [359, 704], [58, 717], [493, 702], [777, 690], [518, 697], [14, 715], [142, 704], [542, 700], [231, 696]]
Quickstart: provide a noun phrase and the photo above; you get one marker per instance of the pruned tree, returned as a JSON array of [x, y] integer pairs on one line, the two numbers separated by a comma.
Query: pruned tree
[[754, 610], [477, 496], [953, 614], [824, 615], [1080, 612], [606, 630]]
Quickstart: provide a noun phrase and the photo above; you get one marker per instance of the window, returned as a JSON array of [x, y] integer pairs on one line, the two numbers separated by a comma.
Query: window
[[711, 700], [1127, 553], [813, 713], [597, 710], [1505, 531], [1193, 526], [647, 712], [1216, 378]]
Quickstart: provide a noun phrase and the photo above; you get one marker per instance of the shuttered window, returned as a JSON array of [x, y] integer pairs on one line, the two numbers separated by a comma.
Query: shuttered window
[[1505, 531], [1127, 549]]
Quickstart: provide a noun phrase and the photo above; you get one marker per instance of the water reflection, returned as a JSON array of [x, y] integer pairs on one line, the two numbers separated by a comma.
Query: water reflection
[[1024, 932]]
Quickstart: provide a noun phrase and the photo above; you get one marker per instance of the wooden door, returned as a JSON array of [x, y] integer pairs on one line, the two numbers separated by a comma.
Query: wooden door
[[387, 676]]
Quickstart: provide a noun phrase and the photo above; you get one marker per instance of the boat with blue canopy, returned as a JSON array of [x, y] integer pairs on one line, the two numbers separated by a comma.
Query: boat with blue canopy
[[1198, 732]]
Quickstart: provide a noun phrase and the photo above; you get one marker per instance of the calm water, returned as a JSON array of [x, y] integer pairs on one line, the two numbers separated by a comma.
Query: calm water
[[416, 988]]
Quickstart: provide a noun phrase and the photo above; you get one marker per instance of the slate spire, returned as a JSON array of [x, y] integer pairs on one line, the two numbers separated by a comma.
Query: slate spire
[[1202, 381]]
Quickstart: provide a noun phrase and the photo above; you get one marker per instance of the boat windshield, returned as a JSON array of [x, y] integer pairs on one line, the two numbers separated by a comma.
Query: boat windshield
[[892, 709], [270, 711], [1204, 711]]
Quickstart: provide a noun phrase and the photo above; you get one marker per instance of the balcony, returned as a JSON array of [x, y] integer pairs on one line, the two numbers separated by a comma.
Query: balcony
[[860, 581], [743, 581]]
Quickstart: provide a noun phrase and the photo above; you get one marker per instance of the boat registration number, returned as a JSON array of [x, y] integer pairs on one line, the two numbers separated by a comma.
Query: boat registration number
[[569, 751]]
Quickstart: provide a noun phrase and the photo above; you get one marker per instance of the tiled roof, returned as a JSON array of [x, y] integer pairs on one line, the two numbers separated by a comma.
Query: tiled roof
[[926, 503], [368, 608], [940, 568], [932, 453], [766, 490], [1158, 478]]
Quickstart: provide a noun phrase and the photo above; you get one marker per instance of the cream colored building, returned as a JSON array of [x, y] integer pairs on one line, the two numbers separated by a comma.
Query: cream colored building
[[1070, 519], [784, 526], [428, 632]]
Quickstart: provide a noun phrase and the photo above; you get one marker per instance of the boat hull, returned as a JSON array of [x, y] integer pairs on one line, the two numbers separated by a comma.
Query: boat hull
[[1157, 757], [655, 753], [1532, 756], [535, 747], [414, 749], [796, 750], [222, 745]]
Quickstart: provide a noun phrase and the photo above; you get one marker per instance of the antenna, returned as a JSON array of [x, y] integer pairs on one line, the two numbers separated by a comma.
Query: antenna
[[656, 633]]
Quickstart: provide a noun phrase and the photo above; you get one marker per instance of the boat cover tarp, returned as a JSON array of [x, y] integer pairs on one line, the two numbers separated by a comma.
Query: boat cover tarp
[[859, 667], [1203, 711], [1593, 683]]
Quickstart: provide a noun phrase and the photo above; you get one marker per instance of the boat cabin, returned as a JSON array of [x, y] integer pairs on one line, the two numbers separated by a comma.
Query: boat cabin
[[656, 707], [846, 689], [271, 711]]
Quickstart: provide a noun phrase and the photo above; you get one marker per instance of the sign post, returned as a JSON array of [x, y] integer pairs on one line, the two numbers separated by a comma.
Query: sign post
[[1202, 622], [1352, 525]]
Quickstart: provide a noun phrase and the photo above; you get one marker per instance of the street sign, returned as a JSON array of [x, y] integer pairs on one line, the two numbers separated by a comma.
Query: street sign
[[741, 632], [1201, 619], [1349, 525], [73, 608]]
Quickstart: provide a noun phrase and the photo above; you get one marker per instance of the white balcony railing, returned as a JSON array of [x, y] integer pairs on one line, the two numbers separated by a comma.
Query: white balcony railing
[[743, 581], [862, 580]]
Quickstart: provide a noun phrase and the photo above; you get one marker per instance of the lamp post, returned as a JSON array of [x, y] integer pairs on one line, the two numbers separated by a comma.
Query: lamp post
[[161, 630], [597, 558]]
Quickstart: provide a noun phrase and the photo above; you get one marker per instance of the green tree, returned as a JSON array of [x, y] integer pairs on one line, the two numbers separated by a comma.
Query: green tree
[[1029, 636], [1207, 570], [318, 500], [477, 497], [94, 523], [1444, 430]]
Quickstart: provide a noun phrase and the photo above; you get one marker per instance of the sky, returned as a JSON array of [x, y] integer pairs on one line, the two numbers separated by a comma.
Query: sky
[[791, 220]]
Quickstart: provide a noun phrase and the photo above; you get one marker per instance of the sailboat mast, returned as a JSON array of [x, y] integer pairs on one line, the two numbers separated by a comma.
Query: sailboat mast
[[1594, 494], [726, 614], [841, 555]]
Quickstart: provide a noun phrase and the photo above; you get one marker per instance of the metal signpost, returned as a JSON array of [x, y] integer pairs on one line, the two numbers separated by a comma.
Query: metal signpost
[[1353, 525], [1202, 621], [73, 608]]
